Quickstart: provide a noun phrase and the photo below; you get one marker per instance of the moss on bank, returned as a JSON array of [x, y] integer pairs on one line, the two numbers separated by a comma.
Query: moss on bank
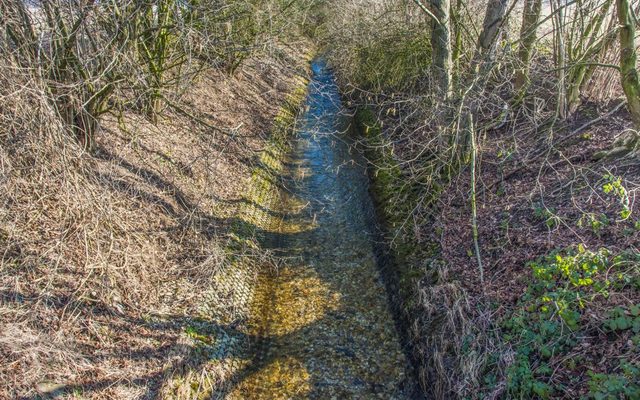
[[448, 349], [394, 200]]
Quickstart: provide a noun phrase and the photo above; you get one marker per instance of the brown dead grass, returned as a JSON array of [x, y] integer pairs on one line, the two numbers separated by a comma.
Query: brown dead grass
[[103, 256]]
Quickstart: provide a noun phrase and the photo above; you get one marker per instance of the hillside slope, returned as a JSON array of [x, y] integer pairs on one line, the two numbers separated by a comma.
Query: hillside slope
[[105, 256]]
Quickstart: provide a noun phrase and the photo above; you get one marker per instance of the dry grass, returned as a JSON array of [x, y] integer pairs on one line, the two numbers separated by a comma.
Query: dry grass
[[103, 256]]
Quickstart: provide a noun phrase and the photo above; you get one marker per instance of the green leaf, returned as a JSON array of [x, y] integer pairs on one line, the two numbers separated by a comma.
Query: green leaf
[[623, 323], [542, 389]]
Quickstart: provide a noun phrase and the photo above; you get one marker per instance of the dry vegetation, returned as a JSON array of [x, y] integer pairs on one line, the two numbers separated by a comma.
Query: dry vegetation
[[504, 150], [110, 232], [96, 246], [543, 166]]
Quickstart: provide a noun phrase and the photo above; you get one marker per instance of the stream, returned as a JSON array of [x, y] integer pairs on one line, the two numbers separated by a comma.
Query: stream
[[327, 329]]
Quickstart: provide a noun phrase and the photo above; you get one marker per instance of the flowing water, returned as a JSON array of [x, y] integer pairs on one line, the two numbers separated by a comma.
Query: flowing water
[[327, 329]]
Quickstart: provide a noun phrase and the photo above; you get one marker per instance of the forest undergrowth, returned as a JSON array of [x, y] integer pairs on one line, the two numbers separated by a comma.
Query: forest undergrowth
[[505, 160]]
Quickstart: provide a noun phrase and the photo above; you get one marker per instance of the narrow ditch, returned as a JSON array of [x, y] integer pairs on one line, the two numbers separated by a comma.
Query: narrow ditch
[[325, 324]]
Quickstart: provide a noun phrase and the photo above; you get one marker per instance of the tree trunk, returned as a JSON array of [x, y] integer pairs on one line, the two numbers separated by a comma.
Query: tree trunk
[[588, 47], [495, 14], [628, 57], [483, 62], [557, 7], [457, 40], [441, 47], [530, 17]]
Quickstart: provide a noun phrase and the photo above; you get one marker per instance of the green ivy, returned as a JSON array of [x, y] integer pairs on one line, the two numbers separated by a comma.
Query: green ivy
[[616, 386], [549, 316], [621, 319], [546, 215]]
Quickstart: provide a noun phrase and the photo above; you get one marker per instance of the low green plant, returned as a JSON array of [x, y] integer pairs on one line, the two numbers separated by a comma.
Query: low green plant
[[621, 319], [586, 136], [613, 186], [623, 385], [506, 154], [197, 333], [504, 223], [548, 318], [595, 222], [546, 215]]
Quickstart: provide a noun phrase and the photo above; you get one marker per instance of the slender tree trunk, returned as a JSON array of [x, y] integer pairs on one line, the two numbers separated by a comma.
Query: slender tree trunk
[[588, 48], [482, 64], [575, 83], [560, 57], [495, 14], [608, 41], [20, 31], [474, 205], [628, 58], [457, 41], [441, 47], [530, 17]]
